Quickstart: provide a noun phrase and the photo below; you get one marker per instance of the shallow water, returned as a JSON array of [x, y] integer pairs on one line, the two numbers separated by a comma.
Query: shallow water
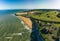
[[9, 24]]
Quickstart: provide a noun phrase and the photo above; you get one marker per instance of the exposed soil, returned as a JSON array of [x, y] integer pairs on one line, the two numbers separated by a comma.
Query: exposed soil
[[26, 20]]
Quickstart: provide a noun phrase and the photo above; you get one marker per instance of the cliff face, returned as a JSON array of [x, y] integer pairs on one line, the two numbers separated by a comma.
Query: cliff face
[[26, 20]]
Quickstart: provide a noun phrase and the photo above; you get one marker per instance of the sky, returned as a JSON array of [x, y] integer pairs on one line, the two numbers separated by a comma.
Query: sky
[[29, 4]]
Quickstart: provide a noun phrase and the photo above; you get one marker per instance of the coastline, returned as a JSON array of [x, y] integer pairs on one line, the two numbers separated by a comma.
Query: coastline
[[34, 28], [27, 21]]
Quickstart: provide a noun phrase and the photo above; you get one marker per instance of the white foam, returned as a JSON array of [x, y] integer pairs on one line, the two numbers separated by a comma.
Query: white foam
[[22, 22], [26, 27], [8, 37], [13, 14], [17, 34]]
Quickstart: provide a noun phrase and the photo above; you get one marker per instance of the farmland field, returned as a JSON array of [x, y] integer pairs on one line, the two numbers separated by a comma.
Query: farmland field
[[11, 29]]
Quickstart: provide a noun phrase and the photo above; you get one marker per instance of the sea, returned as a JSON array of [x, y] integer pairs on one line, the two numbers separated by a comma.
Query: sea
[[3, 12], [11, 28]]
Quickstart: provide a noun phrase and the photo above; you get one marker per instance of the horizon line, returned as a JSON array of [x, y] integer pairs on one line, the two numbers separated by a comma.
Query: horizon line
[[31, 9]]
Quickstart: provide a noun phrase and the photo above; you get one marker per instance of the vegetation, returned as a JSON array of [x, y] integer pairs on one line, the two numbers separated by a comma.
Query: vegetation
[[49, 23]]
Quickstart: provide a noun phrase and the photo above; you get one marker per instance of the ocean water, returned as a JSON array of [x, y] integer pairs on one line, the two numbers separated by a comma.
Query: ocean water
[[3, 12], [11, 28]]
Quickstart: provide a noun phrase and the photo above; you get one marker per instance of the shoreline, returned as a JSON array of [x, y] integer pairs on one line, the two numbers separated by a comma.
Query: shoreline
[[34, 29], [27, 21]]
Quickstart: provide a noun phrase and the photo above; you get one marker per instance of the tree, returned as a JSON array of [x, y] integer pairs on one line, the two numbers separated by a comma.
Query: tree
[[58, 15]]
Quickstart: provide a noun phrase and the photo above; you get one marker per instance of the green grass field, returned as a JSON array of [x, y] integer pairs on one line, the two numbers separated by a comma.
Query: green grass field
[[44, 16], [11, 29]]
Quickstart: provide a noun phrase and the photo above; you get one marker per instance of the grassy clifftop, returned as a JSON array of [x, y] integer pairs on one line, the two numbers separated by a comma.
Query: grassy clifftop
[[48, 22]]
